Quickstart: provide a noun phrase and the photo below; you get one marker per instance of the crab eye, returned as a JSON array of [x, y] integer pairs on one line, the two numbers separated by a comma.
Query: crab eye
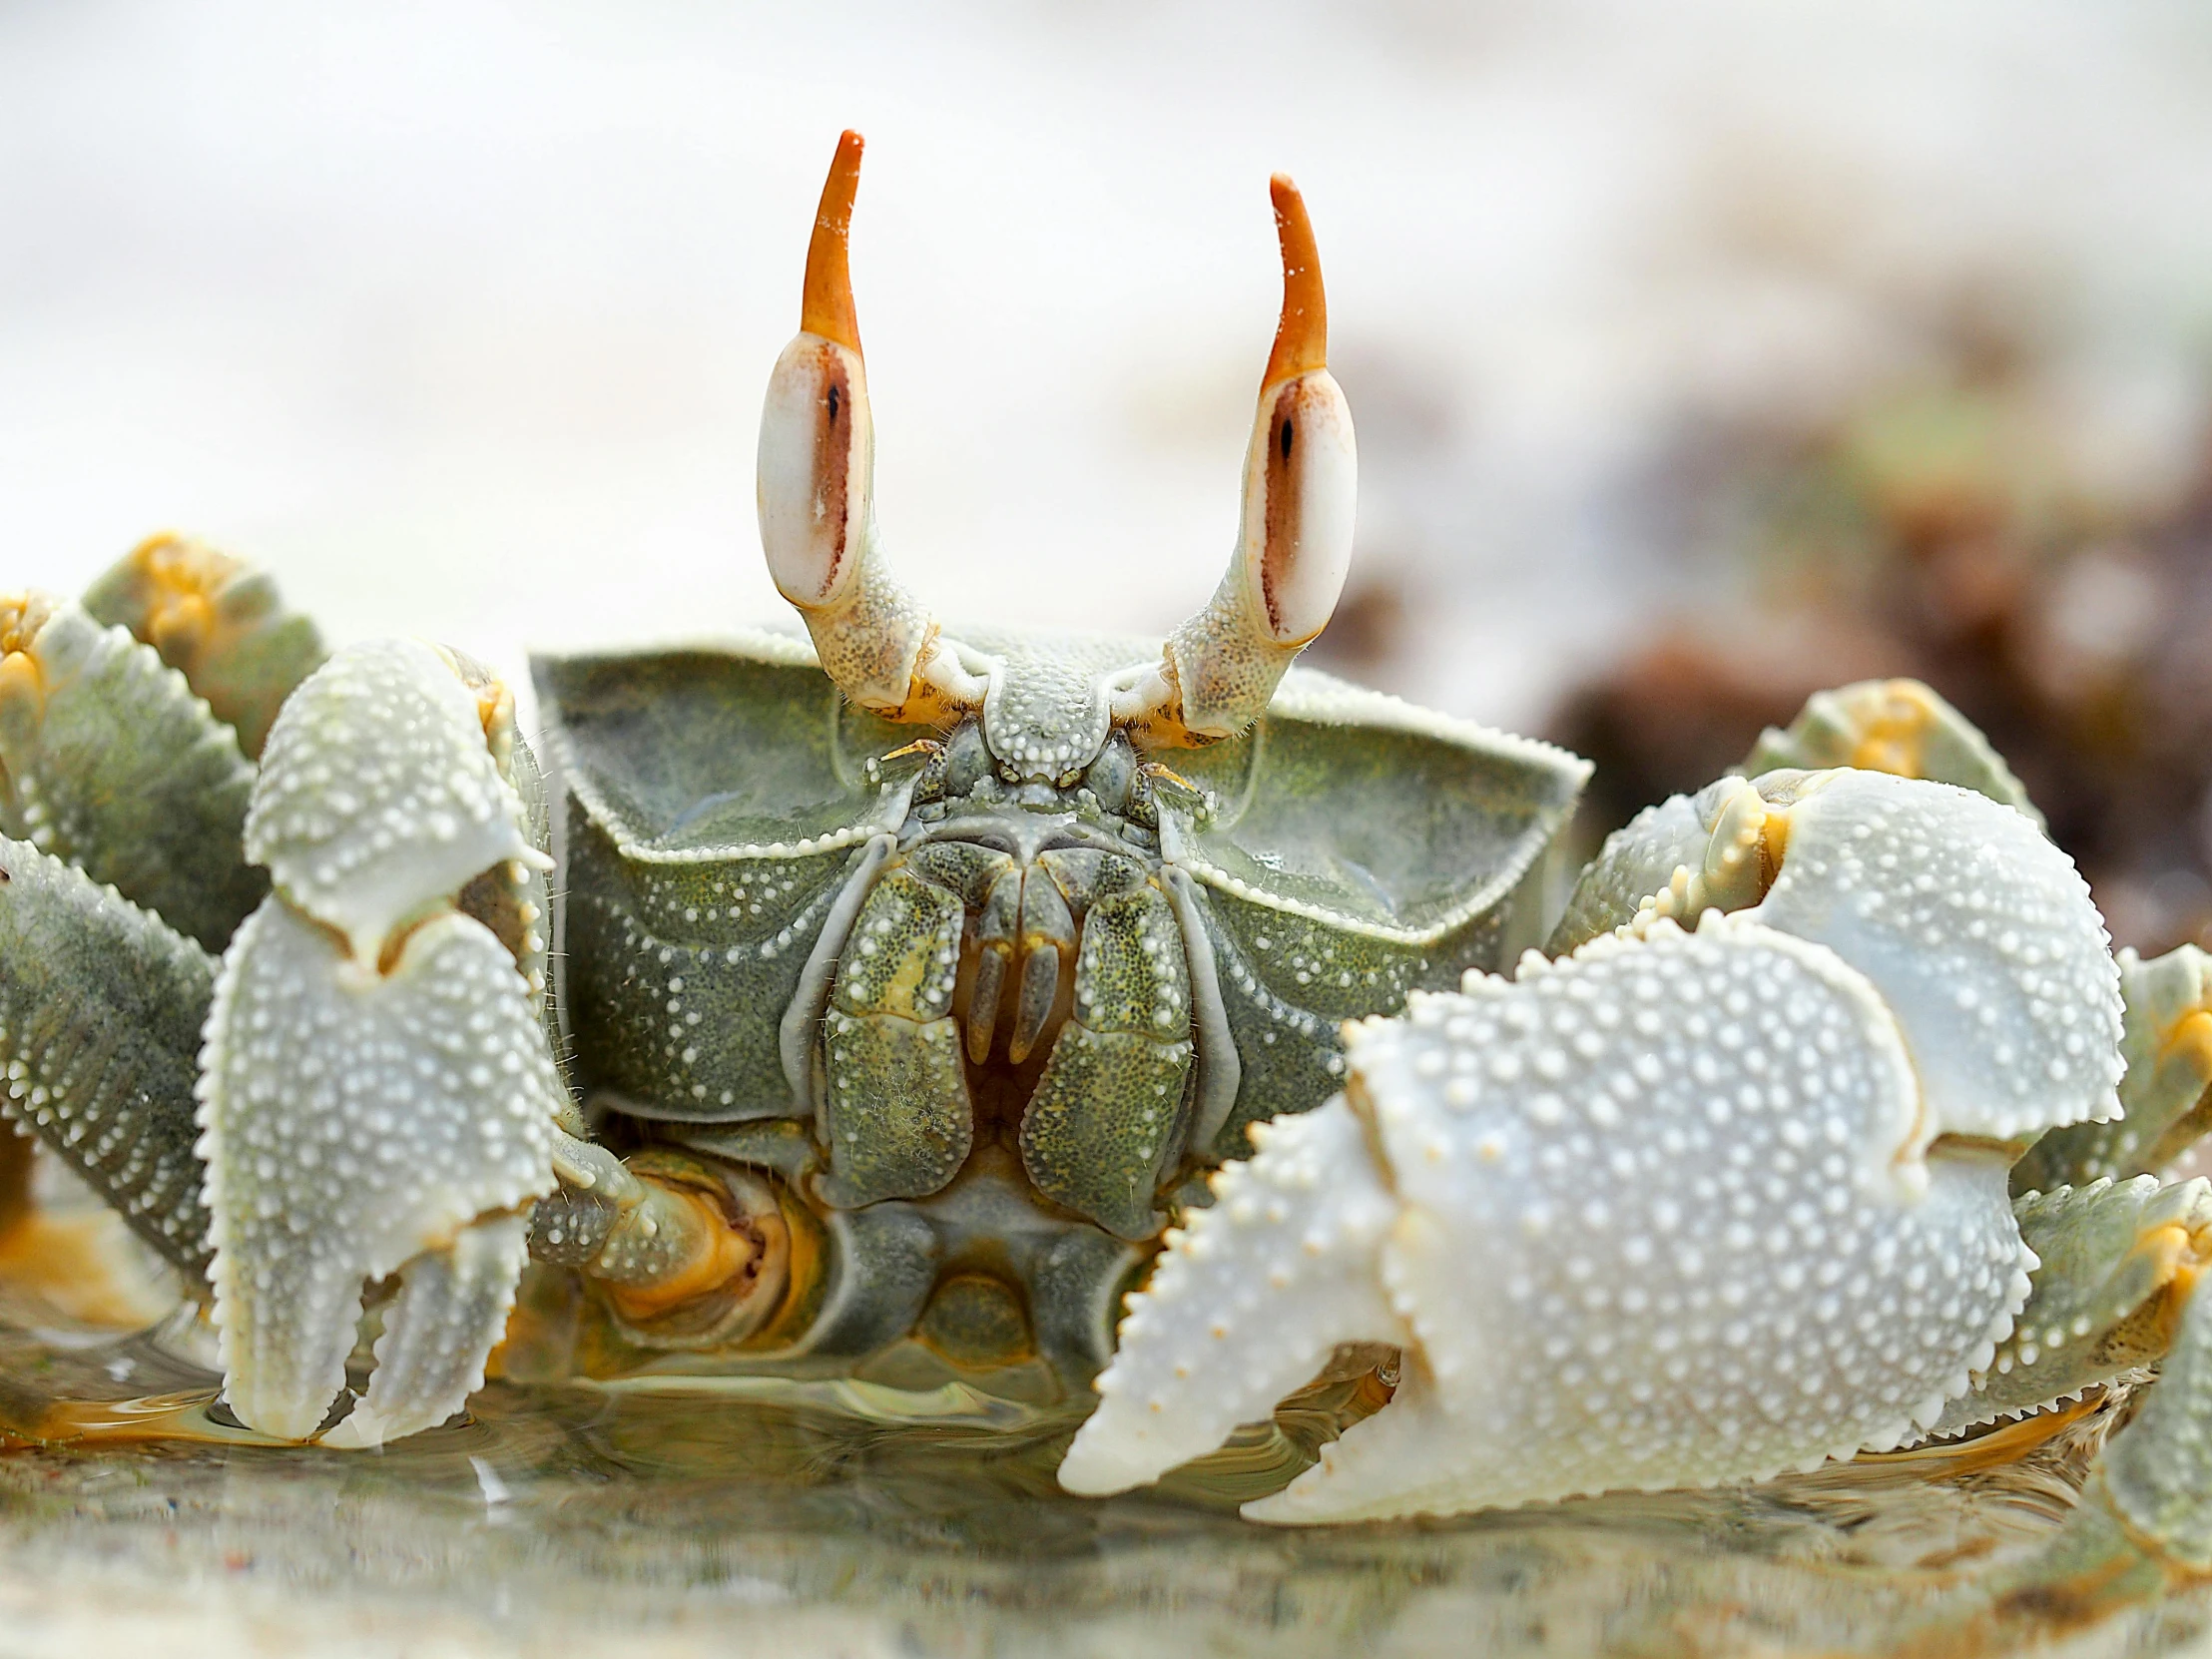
[[1303, 476], [814, 469]]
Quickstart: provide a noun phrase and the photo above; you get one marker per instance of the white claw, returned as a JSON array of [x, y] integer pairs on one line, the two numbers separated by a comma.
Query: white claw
[[377, 796], [1979, 935], [377, 1092], [451, 1310], [353, 1121], [1672, 1211], [1283, 1267]]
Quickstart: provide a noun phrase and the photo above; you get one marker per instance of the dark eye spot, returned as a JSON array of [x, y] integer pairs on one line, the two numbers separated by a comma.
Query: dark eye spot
[[835, 399], [1287, 439]]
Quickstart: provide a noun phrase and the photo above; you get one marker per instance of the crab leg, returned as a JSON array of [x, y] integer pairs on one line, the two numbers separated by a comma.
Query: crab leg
[[2157, 1474], [1736, 1197], [109, 761], [2168, 1092], [216, 620], [2117, 1263], [1901, 726], [100, 1013], [377, 1094]]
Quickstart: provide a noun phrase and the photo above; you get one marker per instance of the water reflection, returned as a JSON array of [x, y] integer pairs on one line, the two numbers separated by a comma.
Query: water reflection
[[639, 1517]]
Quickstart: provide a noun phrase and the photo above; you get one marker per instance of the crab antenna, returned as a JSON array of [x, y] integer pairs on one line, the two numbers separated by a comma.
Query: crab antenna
[[816, 495], [1217, 670]]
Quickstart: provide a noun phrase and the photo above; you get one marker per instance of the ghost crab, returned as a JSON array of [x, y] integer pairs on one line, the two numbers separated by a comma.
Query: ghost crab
[[913, 979]]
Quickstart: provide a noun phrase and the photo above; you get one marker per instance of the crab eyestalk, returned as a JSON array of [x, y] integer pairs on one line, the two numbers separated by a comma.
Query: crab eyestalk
[[1293, 545], [815, 494]]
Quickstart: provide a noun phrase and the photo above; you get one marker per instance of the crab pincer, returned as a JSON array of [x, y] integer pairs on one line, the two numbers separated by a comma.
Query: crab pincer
[[1692, 1204], [377, 1096]]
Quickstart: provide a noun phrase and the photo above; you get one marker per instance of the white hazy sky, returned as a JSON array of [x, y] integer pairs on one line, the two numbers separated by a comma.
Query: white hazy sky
[[459, 314]]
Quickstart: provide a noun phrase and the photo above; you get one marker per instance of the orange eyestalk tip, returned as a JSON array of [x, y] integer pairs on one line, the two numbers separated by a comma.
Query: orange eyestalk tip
[[827, 306], [1302, 336]]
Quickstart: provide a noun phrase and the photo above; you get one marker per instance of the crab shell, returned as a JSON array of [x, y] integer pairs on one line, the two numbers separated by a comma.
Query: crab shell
[[1684, 1207]]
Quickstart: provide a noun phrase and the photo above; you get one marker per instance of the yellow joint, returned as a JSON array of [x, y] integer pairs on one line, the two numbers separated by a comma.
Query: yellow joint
[[825, 307], [1895, 739], [2189, 1039], [22, 616], [1773, 844], [1302, 332]]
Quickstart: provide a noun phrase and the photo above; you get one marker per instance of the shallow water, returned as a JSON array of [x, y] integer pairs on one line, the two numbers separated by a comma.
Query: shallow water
[[715, 1518]]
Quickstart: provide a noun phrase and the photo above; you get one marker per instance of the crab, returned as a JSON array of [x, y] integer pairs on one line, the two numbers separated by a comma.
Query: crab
[[902, 1003]]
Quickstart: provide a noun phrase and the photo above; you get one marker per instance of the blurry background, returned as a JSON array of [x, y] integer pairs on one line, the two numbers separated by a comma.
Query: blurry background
[[1702, 353]]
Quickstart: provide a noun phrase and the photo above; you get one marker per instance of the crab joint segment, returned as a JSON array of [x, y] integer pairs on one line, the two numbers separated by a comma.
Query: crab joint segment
[[216, 620], [1678, 1208], [108, 760], [2167, 1091], [2117, 1260], [377, 1092], [1219, 668], [816, 496]]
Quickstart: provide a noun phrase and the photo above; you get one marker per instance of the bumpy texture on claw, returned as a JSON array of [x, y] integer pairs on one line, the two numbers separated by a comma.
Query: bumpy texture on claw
[[1286, 1264], [2168, 1092], [1980, 938], [354, 1120], [2117, 1260], [377, 1093], [1677, 1208], [379, 795], [451, 1309]]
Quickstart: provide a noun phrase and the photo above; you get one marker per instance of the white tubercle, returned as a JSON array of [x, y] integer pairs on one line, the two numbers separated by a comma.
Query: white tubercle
[[353, 1120], [1672, 1210], [1280, 1270], [377, 796], [1981, 936]]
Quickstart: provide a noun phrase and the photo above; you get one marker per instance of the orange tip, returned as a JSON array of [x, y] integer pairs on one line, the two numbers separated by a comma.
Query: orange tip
[[1301, 336], [826, 309]]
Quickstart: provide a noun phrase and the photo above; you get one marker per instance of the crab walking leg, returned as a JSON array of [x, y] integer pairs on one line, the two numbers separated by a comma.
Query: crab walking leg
[[101, 1008], [2117, 1260], [1283, 1268], [219, 622], [109, 761], [1896, 726], [377, 1095], [2157, 1474], [2168, 1092], [1735, 1197]]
